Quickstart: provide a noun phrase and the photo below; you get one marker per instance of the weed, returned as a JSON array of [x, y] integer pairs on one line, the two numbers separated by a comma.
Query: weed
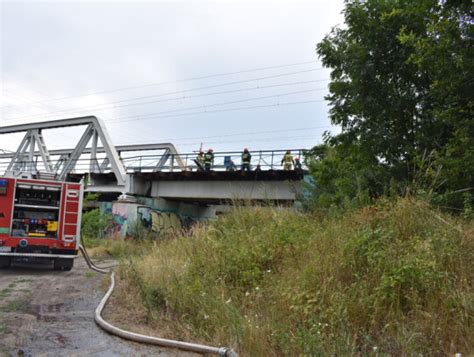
[[19, 281], [93, 226], [5, 292], [16, 305], [393, 278], [3, 328]]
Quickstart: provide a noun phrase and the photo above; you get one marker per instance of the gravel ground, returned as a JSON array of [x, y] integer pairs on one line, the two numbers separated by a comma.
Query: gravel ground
[[50, 313]]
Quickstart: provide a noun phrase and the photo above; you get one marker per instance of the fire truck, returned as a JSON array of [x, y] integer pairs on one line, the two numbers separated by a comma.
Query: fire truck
[[39, 219]]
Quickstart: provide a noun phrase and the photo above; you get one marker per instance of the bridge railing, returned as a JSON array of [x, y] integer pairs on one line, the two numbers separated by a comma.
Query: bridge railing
[[261, 159]]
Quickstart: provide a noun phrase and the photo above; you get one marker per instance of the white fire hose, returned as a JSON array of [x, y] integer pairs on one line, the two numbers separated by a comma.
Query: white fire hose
[[220, 351]]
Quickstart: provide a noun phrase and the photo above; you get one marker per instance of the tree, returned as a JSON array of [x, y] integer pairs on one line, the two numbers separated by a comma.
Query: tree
[[402, 90], [344, 177]]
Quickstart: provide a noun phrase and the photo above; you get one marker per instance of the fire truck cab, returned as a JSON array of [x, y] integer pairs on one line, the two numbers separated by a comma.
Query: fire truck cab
[[40, 219]]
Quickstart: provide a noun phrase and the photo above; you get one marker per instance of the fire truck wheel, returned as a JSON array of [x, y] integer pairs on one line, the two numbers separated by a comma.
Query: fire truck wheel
[[5, 262], [63, 264]]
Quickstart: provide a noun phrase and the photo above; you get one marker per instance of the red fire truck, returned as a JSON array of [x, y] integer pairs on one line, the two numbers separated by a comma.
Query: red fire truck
[[40, 219]]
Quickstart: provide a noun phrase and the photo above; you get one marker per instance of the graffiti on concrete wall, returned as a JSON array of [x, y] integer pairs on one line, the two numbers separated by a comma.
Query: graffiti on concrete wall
[[158, 221], [144, 216], [120, 215], [128, 216], [163, 222]]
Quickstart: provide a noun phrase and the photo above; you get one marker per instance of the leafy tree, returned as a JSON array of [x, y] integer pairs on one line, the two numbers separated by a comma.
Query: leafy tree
[[344, 177], [402, 91]]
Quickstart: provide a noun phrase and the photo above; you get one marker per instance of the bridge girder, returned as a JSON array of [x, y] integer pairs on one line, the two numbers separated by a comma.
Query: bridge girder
[[95, 129]]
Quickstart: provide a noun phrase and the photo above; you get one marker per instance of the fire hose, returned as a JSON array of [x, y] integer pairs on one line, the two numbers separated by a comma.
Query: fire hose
[[132, 336]]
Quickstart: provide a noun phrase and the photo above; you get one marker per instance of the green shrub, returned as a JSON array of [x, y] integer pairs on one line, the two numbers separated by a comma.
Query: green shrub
[[394, 278], [94, 225]]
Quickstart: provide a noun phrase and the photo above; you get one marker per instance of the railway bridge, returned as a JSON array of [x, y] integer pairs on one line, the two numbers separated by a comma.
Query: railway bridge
[[154, 171]]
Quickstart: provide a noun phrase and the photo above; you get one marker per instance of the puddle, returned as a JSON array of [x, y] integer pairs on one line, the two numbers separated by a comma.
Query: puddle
[[56, 317], [50, 313]]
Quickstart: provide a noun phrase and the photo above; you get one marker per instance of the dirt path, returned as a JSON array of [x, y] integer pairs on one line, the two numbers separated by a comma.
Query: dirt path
[[49, 313]]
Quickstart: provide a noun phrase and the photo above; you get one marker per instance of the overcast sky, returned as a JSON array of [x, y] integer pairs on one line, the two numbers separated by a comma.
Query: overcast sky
[[137, 66]]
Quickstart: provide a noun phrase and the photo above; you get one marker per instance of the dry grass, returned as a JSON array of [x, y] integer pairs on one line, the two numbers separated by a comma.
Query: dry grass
[[395, 278]]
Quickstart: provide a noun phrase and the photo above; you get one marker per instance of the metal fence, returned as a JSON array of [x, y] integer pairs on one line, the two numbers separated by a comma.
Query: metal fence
[[261, 160]]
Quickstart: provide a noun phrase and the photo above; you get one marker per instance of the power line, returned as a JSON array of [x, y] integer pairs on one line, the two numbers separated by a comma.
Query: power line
[[287, 138], [29, 101], [257, 87], [244, 134], [224, 92], [177, 81], [139, 117], [180, 92], [32, 101], [216, 86], [230, 109], [254, 133]]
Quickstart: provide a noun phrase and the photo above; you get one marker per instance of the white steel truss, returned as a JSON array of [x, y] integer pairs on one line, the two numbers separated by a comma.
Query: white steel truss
[[33, 152], [25, 159]]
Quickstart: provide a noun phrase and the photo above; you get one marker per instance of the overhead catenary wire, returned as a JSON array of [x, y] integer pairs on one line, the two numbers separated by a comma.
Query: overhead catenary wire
[[23, 99], [174, 92], [222, 110], [283, 104], [167, 114], [244, 108], [33, 102], [119, 119], [246, 140], [175, 81], [249, 133], [270, 139], [30, 101], [226, 110], [257, 87]]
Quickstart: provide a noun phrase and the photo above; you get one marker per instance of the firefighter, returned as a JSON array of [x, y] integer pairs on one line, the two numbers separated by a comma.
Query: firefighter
[[287, 161], [246, 157], [208, 160], [298, 166], [199, 160]]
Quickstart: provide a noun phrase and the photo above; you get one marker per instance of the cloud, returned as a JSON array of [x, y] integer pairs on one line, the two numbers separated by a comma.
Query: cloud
[[61, 49]]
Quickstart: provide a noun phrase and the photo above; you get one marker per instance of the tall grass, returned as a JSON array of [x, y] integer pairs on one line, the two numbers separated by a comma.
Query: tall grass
[[392, 278]]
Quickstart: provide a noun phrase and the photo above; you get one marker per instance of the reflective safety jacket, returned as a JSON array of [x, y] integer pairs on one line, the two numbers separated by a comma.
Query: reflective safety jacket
[[208, 158], [287, 159], [200, 159], [246, 157]]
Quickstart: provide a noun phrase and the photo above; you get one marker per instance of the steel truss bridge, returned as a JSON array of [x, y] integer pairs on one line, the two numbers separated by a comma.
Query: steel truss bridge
[[154, 170]]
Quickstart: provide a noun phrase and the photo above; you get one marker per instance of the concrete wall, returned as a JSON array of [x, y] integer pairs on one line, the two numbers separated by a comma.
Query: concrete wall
[[157, 214], [180, 208], [239, 190]]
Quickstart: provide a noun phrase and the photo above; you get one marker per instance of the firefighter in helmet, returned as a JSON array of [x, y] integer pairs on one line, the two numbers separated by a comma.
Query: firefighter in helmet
[[199, 160], [287, 161], [208, 160], [246, 158]]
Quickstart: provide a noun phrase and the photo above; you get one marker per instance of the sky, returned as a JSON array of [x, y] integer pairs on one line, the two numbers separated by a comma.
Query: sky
[[226, 75]]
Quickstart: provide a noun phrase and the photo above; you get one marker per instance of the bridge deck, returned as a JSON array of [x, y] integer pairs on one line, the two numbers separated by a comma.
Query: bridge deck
[[269, 175]]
